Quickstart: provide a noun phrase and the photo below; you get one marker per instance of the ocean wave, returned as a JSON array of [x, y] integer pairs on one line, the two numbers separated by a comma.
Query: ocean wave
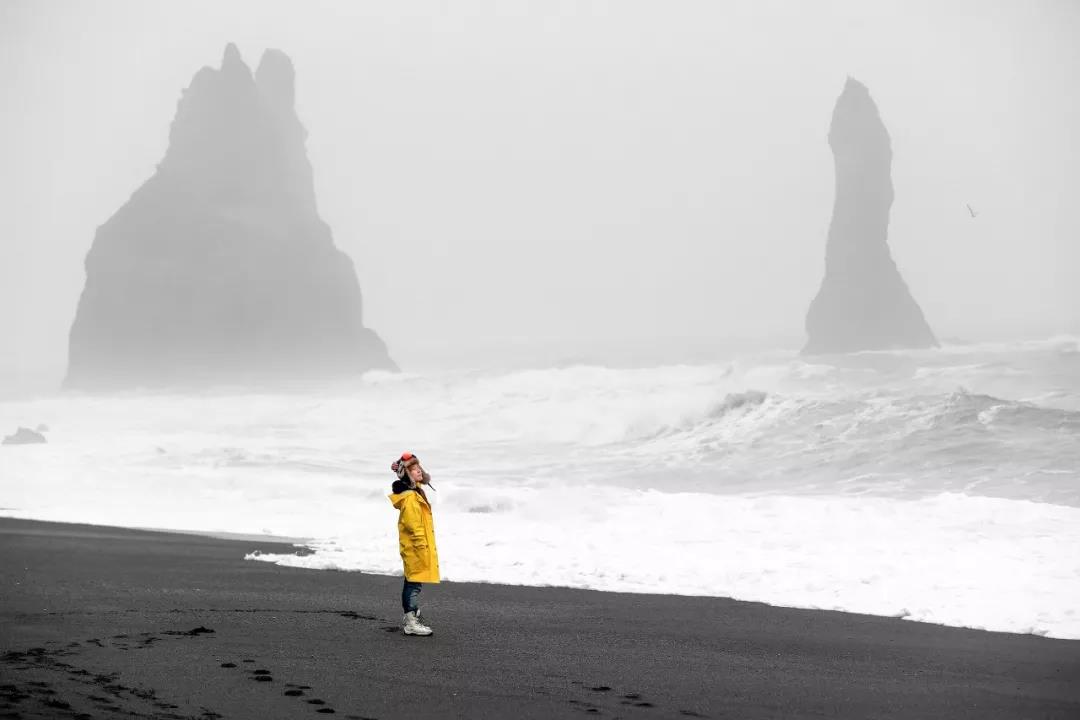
[[872, 483], [775, 423], [1062, 343], [736, 401]]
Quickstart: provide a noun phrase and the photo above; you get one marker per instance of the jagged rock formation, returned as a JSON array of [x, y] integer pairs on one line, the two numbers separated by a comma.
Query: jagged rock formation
[[863, 303], [219, 268]]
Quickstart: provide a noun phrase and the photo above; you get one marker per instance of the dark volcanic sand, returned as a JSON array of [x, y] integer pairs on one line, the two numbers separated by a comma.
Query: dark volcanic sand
[[100, 623]]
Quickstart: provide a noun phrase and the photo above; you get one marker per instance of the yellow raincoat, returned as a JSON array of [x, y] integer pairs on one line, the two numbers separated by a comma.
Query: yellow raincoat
[[416, 537]]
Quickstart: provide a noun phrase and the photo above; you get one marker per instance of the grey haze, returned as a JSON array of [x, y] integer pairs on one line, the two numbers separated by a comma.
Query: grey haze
[[596, 177]]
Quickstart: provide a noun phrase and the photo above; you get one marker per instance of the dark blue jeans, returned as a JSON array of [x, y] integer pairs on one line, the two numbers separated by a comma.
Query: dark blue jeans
[[409, 593]]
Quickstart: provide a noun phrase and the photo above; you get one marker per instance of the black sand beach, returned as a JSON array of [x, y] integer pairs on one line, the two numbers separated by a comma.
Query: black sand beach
[[101, 622]]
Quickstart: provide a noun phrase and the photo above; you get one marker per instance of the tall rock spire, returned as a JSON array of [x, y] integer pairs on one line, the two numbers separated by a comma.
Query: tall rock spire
[[219, 268], [863, 303]]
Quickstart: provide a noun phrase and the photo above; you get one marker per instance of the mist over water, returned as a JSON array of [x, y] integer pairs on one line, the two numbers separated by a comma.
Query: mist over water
[[594, 171]]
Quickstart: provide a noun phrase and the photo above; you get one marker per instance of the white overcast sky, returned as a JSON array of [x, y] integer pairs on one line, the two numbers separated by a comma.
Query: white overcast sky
[[578, 173]]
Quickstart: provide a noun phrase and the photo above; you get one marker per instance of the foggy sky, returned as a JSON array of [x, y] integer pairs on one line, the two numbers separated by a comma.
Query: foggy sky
[[586, 174]]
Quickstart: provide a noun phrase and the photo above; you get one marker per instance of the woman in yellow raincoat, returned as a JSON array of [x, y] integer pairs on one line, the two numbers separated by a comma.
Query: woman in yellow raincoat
[[416, 538]]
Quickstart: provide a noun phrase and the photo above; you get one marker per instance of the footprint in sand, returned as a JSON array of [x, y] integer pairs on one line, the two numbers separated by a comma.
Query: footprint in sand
[[586, 706], [634, 699], [194, 632]]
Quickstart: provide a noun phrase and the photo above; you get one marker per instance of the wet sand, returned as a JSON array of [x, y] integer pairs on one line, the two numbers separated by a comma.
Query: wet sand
[[100, 622]]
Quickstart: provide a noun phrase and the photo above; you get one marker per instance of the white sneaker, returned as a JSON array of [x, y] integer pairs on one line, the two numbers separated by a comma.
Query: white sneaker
[[411, 625]]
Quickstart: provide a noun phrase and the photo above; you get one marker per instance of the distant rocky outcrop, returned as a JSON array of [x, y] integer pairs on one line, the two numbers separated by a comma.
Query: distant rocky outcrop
[[863, 303], [23, 436], [219, 268]]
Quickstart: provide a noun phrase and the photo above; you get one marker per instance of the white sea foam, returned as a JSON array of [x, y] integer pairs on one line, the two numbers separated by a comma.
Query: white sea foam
[[974, 562], [939, 485]]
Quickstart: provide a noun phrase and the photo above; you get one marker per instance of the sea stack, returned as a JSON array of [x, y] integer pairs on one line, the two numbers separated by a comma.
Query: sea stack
[[219, 268], [863, 303]]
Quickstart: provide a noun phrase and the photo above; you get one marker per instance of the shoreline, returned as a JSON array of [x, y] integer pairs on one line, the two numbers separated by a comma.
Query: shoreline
[[300, 547], [215, 534], [776, 550], [105, 622]]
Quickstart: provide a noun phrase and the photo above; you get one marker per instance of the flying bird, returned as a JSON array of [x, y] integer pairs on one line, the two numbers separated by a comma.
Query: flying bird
[[973, 213]]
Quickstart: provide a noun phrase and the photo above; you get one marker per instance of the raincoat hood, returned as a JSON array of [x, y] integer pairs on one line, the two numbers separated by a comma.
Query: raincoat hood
[[398, 498]]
